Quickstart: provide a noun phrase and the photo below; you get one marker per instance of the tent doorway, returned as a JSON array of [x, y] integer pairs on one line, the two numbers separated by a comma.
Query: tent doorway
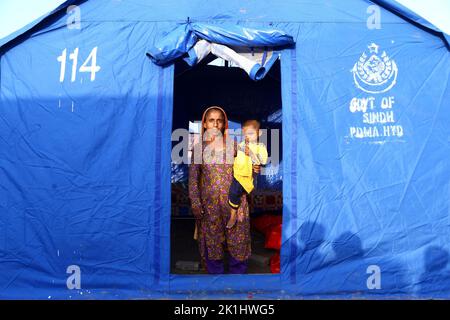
[[216, 82]]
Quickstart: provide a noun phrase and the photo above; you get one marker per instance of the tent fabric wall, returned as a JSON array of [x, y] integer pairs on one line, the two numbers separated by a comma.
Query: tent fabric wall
[[85, 164], [377, 196]]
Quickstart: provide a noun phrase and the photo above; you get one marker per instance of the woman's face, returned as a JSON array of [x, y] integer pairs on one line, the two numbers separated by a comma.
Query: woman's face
[[214, 122]]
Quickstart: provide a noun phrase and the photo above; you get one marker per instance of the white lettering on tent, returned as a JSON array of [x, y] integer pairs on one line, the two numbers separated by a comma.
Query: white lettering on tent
[[374, 280], [74, 280], [362, 104], [374, 20], [74, 57], [387, 102], [378, 119], [62, 60], [93, 68], [74, 19], [394, 131], [364, 132]]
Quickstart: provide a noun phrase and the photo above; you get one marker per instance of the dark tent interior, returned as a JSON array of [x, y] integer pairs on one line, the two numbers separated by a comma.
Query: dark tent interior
[[221, 84]]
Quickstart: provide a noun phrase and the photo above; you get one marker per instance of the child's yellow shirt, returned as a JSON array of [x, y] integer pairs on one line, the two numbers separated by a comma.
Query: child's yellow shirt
[[243, 164]]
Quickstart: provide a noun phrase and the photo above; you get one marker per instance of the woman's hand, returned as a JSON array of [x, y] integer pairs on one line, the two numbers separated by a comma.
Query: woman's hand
[[256, 168], [198, 212]]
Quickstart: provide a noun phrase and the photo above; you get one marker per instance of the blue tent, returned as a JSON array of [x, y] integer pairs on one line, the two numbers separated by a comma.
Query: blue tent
[[85, 126]]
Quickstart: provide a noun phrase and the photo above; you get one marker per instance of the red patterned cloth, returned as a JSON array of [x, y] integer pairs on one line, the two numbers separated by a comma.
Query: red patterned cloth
[[270, 226], [275, 263]]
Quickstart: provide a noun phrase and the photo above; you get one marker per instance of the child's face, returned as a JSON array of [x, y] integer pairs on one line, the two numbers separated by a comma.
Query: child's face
[[251, 133]]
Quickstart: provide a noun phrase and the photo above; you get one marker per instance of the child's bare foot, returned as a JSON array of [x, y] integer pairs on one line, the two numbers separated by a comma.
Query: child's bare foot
[[232, 220]]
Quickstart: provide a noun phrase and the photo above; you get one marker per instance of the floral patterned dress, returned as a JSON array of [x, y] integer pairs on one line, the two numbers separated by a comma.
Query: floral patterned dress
[[209, 183]]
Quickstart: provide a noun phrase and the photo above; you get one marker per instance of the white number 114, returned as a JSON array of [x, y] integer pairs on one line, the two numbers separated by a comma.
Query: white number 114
[[92, 68]]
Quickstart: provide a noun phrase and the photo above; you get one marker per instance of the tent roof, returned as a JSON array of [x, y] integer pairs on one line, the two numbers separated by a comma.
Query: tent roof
[[233, 9]]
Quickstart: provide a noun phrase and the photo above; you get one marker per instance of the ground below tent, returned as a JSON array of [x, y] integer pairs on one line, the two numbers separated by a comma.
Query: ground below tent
[[184, 248]]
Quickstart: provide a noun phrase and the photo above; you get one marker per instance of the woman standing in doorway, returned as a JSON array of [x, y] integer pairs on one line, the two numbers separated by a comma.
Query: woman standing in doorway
[[210, 176]]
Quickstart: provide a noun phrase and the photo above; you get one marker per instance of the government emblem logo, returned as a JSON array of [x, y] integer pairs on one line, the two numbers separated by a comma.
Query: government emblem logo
[[373, 73]]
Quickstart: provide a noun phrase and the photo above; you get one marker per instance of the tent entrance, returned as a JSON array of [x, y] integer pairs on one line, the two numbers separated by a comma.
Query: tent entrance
[[217, 82]]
